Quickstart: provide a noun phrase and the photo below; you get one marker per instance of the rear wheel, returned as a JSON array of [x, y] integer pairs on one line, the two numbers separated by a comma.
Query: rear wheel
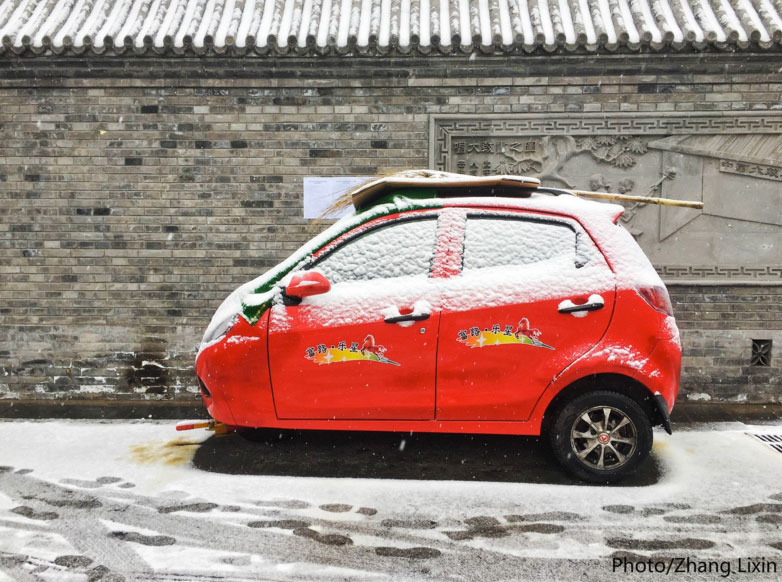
[[601, 436]]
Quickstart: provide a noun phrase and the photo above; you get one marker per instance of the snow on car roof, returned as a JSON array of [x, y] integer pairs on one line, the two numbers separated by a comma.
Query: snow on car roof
[[586, 210]]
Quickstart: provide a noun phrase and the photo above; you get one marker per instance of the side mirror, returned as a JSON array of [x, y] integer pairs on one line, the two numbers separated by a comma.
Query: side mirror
[[304, 284]]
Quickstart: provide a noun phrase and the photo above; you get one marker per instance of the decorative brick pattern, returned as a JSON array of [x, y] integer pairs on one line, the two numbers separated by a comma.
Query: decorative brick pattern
[[136, 194]]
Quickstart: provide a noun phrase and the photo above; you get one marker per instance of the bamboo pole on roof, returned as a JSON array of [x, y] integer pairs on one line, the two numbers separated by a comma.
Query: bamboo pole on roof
[[631, 198]]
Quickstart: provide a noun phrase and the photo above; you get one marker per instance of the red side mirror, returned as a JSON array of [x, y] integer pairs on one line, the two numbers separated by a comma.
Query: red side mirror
[[307, 283]]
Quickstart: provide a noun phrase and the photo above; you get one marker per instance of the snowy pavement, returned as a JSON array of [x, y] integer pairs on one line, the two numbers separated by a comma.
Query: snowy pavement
[[108, 501]]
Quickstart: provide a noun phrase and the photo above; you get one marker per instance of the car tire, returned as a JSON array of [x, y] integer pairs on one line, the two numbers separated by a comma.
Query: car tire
[[601, 436]]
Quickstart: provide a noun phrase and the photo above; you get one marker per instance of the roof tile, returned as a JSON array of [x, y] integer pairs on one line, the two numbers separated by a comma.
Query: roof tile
[[350, 27]]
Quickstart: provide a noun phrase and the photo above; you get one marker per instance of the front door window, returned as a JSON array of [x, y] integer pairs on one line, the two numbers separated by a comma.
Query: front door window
[[366, 349]]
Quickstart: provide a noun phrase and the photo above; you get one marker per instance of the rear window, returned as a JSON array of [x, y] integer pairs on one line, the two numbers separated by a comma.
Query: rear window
[[501, 241]]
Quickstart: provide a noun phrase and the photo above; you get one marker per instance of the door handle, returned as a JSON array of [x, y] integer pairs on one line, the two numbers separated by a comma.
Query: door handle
[[594, 303], [409, 317]]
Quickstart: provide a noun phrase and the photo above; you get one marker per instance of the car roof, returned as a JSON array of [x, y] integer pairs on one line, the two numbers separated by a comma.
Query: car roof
[[458, 190]]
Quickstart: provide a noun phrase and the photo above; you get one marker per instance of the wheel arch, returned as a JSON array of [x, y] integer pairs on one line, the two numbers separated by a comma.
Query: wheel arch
[[612, 382]]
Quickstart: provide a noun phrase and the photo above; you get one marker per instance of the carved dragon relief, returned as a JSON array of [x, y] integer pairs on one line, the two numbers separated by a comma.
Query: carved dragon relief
[[731, 162], [546, 157]]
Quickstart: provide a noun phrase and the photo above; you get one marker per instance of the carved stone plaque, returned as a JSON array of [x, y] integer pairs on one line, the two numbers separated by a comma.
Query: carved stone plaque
[[731, 162]]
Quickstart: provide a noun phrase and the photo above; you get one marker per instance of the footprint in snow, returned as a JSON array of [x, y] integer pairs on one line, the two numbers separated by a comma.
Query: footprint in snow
[[776, 497], [481, 526], [103, 574], [5, 469], [619, 508], [544, 528], [412, 553], [771, 518], [336, 507], [129, 536], [366, 511], [24, 471], [236, 560], [192, 507], [490, 527], [30, 513], [280, 523], [73, 561], [409, 523], [548, 516], [756, 508], [327, 539], [698, 518], [84, 503]]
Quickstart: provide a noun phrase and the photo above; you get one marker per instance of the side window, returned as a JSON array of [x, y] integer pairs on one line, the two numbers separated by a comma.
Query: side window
[[502, 241], [398, 250]]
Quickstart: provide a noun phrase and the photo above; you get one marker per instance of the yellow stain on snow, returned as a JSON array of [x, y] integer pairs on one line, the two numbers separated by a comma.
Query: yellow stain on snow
[[659, 446], [176, 452]]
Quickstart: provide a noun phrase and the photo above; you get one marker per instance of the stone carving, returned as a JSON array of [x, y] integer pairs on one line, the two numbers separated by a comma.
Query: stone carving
[[732, 163], [754, 170]]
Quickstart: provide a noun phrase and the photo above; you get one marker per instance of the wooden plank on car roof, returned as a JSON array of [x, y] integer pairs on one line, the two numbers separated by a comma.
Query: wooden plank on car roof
[[365, 195]]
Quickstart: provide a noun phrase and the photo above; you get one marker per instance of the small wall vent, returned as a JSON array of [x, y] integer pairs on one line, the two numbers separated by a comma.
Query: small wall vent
[[761, 352]]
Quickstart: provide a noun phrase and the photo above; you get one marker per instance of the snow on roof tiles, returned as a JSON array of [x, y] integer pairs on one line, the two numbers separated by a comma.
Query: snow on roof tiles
[[345, 27]]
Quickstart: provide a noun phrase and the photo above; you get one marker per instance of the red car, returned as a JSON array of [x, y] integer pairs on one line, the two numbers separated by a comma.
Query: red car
[[458, 305]]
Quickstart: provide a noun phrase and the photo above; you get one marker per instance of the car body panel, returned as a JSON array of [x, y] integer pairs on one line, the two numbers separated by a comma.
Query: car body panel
[[235, 371], [358, 368], [502, 337], [267, 371]]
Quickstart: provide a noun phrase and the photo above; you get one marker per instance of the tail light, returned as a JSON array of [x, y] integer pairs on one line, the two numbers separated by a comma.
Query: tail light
[[657, 298]]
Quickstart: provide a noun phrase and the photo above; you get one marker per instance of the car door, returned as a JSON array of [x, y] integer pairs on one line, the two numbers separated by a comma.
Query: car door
[[533, 295], [366, 349]]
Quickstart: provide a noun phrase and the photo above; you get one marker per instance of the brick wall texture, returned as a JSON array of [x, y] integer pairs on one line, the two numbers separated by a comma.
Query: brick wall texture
[[137, 193]]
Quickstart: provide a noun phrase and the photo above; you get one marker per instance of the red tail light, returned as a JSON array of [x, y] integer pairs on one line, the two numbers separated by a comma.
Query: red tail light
[[657, 298]]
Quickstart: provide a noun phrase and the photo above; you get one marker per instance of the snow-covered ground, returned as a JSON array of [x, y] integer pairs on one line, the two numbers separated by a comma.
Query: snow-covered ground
[[108, 501]]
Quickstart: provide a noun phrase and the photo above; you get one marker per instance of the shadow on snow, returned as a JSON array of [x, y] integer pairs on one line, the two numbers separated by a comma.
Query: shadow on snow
[[384, 455]]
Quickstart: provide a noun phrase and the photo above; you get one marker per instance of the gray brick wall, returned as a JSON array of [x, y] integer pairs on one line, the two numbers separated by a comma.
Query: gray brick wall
[[136, 194], [717, 325]]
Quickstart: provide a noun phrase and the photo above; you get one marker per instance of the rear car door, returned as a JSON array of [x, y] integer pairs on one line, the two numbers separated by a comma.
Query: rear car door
[[366, 349], [533, 295]]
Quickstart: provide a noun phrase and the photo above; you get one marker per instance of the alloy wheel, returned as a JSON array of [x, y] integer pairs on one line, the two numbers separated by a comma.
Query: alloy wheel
[[603, 438]]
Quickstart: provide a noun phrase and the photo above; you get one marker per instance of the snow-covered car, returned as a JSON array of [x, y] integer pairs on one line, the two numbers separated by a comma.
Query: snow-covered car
[[458, 305]]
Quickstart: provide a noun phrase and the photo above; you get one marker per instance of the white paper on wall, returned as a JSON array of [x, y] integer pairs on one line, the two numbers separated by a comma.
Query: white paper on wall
[[321, 192]]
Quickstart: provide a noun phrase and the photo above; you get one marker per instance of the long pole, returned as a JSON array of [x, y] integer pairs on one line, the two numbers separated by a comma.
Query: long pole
[[630, 198]]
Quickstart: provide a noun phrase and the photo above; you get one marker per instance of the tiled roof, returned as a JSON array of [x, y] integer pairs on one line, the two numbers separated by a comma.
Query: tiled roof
[[385, 26]]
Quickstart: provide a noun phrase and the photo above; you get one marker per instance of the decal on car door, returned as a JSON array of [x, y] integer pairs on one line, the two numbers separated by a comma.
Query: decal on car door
[[522, 334], [368, 351]]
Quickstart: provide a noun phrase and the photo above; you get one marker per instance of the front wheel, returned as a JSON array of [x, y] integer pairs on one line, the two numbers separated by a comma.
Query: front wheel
[[601, 436]]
